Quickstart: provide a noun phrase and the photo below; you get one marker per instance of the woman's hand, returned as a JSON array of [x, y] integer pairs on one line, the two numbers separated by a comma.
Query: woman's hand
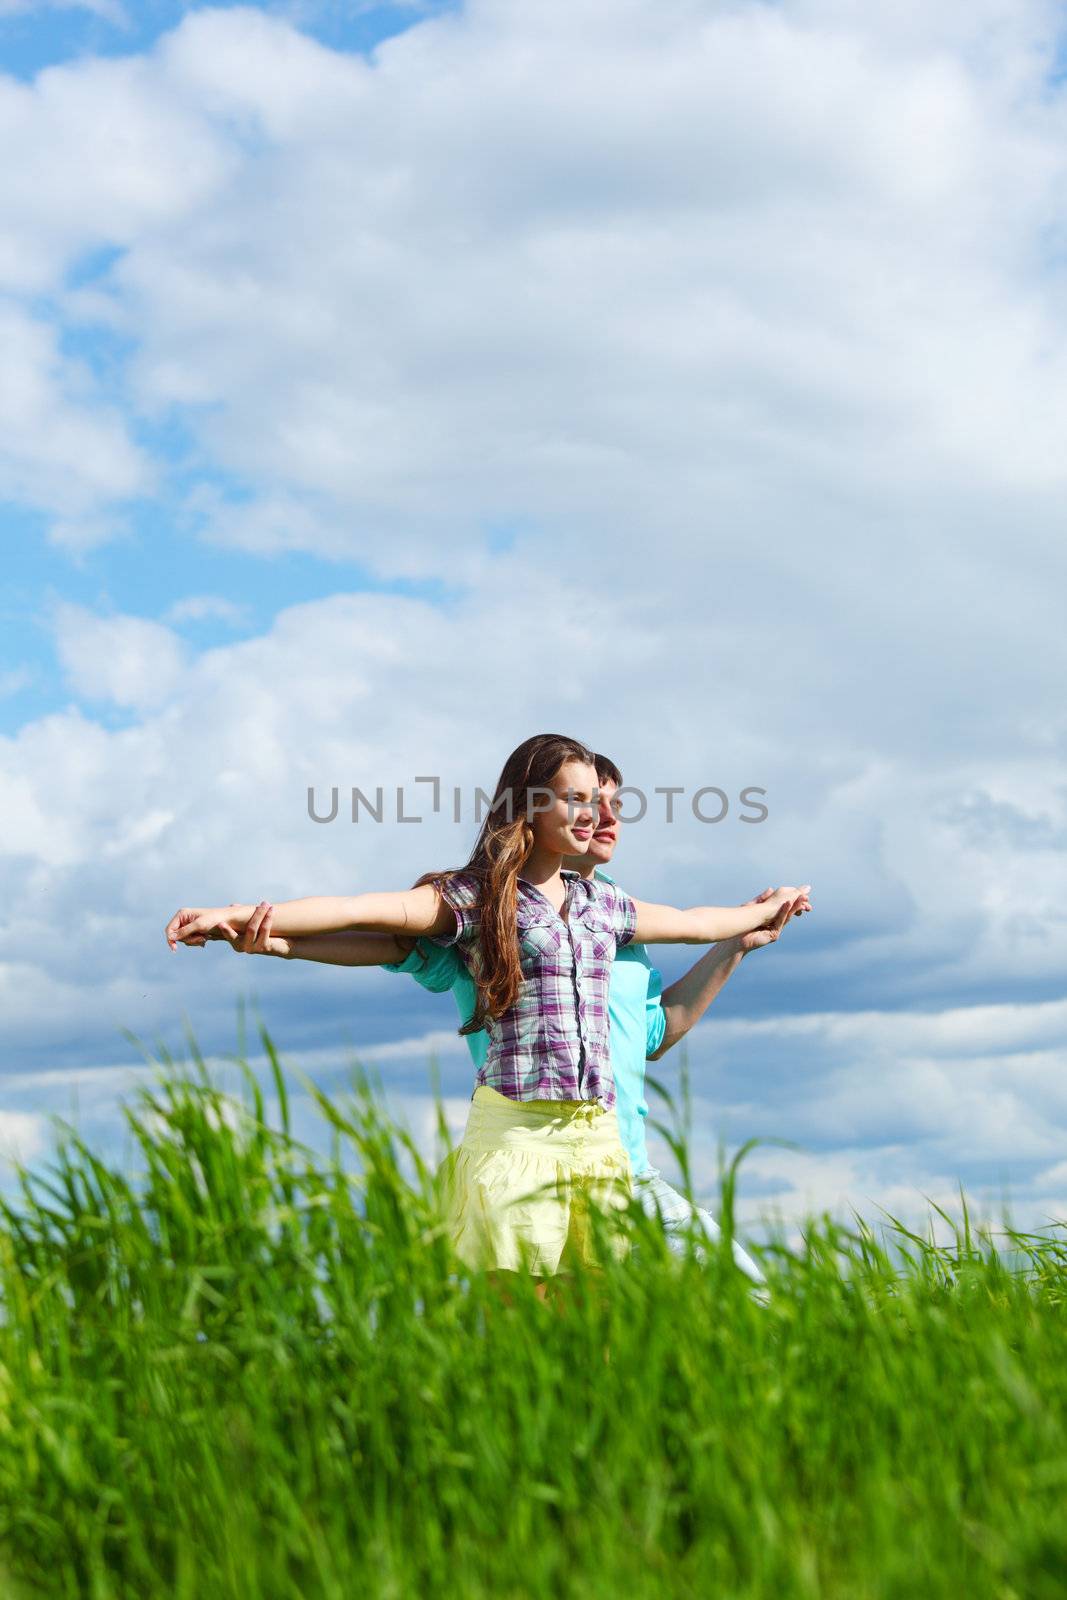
[[797, 899], [185, 925], [770, 930], [193, 925]]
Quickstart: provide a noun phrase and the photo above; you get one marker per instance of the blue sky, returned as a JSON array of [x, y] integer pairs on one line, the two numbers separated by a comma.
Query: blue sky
[[381, 385], [139, 573]]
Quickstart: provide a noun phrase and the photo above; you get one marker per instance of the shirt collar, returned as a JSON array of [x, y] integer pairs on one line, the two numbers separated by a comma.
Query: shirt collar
[[534, 908]]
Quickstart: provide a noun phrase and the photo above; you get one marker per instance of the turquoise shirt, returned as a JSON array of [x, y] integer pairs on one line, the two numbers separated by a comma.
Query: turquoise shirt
[[637, 1022]]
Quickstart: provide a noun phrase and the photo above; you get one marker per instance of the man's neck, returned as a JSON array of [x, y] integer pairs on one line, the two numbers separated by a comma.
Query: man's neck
[[581, 865]]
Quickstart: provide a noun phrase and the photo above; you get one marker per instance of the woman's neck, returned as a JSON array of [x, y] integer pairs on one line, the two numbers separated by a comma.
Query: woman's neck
[[542, 867]]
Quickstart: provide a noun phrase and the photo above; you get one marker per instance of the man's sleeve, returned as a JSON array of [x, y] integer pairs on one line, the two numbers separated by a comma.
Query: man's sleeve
[[435, 966], [655, 1016]]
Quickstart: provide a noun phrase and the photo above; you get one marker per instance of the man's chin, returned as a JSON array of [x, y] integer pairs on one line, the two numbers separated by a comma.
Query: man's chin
[[598, 854]]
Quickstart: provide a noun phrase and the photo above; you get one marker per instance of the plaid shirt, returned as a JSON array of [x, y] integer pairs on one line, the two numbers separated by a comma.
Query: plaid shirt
[[553, 1042]]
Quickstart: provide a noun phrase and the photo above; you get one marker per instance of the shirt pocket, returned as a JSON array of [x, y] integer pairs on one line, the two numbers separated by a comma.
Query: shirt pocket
[[543, 951], [598, 944]]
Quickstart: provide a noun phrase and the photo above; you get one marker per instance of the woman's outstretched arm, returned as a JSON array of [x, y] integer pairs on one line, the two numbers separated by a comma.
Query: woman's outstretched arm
[[333, 949], [409, 912], [707, 924]]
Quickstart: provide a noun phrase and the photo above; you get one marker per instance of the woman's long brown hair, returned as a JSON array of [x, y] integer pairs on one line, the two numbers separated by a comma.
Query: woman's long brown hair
[[502, 849]]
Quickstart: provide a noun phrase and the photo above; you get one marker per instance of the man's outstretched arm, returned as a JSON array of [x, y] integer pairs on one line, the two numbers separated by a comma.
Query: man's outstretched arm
[[432, 966], [348, 949], [686, 1001]]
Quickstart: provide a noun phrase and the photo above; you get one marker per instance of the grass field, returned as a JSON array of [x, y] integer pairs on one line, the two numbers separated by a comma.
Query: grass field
[[251, 1371]]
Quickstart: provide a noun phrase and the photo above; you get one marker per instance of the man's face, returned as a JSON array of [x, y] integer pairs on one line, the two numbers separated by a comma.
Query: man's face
[[601, 846]]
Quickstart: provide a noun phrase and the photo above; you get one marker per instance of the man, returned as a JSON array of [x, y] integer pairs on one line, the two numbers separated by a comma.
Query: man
[[646, 1021]]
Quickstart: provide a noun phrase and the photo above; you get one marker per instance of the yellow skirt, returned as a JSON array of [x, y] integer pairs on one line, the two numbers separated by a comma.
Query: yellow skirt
[[518, 1187]]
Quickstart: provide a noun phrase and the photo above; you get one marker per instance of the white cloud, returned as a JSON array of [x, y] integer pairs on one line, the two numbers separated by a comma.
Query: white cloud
[[129, 661], [58, 448], [21, 1137], [761, 261], [745, 227], [887, 1106], [755, 329], [1054, 1177], [206, 607], [108, 153], [418, 1050], [268, 525]]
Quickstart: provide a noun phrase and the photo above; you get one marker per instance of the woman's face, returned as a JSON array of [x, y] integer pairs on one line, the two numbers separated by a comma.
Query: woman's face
[[563, 819]]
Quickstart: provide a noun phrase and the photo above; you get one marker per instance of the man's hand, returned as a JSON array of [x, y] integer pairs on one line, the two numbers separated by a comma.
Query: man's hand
[[256, 939]]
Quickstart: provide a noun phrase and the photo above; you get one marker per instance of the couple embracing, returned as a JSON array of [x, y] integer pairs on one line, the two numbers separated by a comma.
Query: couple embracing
[[561, 1007]]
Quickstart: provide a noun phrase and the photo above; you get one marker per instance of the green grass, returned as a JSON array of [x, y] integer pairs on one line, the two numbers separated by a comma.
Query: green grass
[[251, 1371]]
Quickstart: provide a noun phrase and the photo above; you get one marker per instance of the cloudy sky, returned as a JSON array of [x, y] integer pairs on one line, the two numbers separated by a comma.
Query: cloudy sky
[[381, 385]]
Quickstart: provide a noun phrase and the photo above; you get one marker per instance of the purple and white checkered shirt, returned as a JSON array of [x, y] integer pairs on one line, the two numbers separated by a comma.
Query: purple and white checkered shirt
[[553, 1042]]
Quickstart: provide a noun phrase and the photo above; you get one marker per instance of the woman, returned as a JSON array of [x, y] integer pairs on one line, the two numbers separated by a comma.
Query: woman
[[541, 1143]]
